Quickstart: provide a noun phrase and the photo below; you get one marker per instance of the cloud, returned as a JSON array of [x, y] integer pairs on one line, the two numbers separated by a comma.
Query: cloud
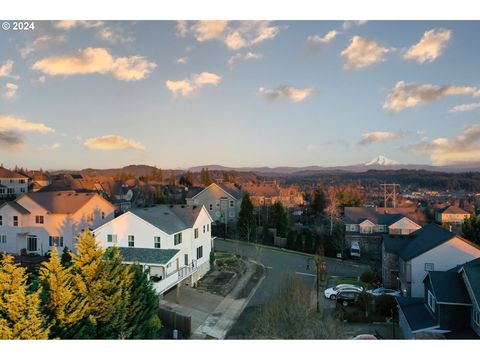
[[460, 149], [286, 92], [54, 146], [196, 82], [182, 60], [112, 142], [311, 148], [10, 140], [404, 95], [316, 42], [351, 23], [234, 34], [41, 43], [430, 46], [371, 137], [10, 91], [182, 28], [6, 70], [40, 80], [96, 60], [14, 123], [114, 36], [465, 107], [70, 24], [239, 58], [362, 52]]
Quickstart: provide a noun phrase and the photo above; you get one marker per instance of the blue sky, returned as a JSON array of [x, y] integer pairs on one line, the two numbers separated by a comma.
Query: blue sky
[[286, 93]]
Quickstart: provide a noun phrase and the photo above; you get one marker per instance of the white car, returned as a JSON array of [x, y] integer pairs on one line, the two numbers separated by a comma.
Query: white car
[[383, 291], [331, 293]]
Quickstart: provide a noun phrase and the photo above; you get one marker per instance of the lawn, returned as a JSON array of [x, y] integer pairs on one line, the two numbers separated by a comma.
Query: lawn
[[335, 280]]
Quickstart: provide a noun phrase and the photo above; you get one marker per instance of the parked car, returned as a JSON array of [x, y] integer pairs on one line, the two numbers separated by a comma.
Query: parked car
[[331, 293], [347, 296], [382, 291], [355, 250], [365, 337]]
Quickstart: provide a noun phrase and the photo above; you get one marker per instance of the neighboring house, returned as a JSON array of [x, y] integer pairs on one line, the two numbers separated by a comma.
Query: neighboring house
[[12, 184], [451, 215], [172, 241], [431, 248], [38, 221], [269, 192], [222, 201], [366, 225], [449, 306]]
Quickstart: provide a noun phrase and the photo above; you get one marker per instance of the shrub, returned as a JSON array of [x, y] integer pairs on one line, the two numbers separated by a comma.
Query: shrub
[[368, 277], [385, 304]]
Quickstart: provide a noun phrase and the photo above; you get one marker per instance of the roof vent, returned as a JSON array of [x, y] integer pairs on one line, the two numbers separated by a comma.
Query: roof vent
[[171, 206]]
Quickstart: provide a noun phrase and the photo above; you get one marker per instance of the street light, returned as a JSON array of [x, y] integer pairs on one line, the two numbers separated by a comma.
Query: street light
[[321, 269]]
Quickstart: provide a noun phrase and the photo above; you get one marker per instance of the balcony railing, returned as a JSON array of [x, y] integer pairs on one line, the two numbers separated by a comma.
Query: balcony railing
[[175, 277]]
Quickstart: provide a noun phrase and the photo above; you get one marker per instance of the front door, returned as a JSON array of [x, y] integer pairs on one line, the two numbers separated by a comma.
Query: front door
[[31, 243]]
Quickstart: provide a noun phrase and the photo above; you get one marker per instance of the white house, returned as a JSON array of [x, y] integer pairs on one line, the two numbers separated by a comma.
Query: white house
[[431, 248], [222, 201], [172, 241], [38, 221], [12, 184]]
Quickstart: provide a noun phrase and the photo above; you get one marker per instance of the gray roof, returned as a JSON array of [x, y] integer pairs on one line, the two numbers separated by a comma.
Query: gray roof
[[379, 216], [472, 272], [193, 191], [147, 256], [416, 313], [448, 287], [394, 243], [232, 190], [169, 218], [16, 206], [423, 240], [61, 202]]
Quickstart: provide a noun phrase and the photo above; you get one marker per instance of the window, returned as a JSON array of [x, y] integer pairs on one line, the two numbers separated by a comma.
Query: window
[[156, 242], [199, 252], [231, 213], [103, 215], [177, 239], [2, 191], [38, 219], [1, 220], [210, 207], [208, 227], [32, 243], [195, 233], [22, 190], [431, 301], [90, 217], [186, 259], [476, 317], [112, 238], [429, 267], [131, 240], [55, 241], [204, 229], [3, 239], [232, 203], [15, 220], [10, 191]]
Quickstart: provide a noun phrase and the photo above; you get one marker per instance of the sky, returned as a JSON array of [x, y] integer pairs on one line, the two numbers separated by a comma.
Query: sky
[[104, 94]]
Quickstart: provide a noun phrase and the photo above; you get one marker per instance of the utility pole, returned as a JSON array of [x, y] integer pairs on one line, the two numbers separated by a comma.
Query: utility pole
[[389, 193]]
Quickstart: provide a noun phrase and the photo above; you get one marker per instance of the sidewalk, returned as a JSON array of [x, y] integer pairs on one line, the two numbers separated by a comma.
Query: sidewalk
[[227, 312]]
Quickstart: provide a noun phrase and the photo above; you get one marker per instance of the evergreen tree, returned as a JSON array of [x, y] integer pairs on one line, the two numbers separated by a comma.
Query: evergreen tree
[[246, 219], [471, 229], [280, 219], [60, 305], [142, 318], [20, 316], [66, 259], [103, 284], [205, 177], [319, 200]]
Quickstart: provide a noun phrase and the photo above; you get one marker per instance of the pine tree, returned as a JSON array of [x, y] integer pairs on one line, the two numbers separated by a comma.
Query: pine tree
[[246, 219], [142, 318], [20, 316], [319, 200], [103, 284], [60, 304], [280, 219]]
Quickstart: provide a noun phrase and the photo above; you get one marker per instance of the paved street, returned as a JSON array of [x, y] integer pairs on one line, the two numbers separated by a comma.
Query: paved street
[[280, 263]]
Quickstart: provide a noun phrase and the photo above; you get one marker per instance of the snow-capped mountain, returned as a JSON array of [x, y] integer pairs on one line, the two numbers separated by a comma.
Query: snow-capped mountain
[[381, 160]]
